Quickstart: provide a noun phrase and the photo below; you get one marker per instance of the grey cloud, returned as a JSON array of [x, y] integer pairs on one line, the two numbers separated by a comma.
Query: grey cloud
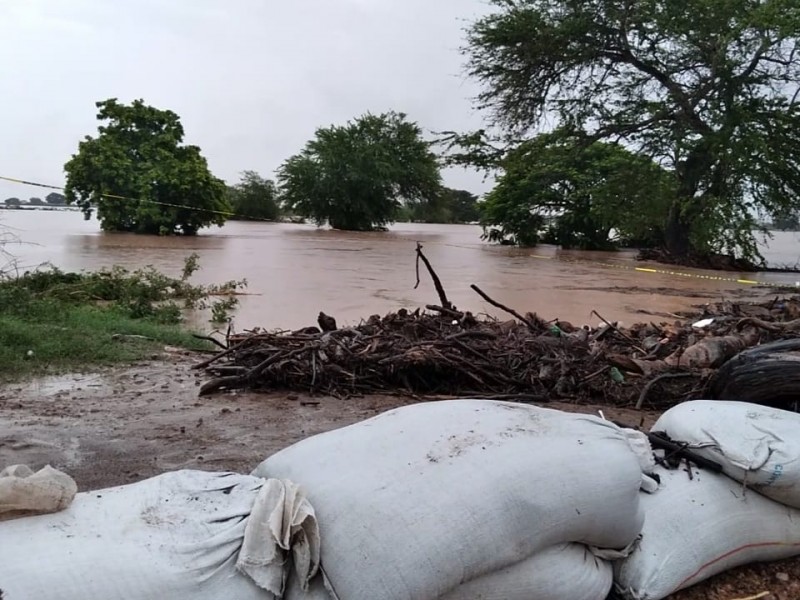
[[251, 79]]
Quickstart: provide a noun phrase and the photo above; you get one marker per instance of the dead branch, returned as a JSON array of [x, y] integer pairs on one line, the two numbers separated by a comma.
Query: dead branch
[[655, 380], [436, 282], [786, 327], [623, 334], [510, 311]]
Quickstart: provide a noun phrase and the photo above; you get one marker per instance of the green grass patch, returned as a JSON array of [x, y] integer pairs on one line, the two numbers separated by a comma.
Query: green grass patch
[[67, 338], [54, 322]]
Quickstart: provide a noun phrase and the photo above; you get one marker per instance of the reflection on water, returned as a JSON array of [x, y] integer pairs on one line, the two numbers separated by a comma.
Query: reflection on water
[[294, 271]]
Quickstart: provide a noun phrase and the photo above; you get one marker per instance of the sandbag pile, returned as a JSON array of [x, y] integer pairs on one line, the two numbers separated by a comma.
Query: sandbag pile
[[452, 500], [700, 523], [469, 499], [185, 535]]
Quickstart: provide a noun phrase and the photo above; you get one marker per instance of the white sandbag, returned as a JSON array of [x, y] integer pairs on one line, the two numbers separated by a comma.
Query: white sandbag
[[756, 445], [563, 572], [176, 536], [697, 528], [23, 492], [419, 500]]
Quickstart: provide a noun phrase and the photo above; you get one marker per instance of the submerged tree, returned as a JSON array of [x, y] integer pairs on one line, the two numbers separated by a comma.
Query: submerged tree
[[356, 176], [449, 206], [139, 176], [594, 196], [709, 89], [55, 199], [254, 198]]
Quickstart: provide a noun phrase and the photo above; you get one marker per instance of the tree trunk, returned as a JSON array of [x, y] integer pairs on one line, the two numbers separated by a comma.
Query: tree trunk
[[677, 232]]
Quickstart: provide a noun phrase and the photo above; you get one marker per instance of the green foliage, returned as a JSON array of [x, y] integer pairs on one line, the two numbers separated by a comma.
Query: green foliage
[[55, 199], [787, 221], [706, 88], [144, 293], [139, 155], [593, 195], [13, 202], [36, 202], [449, 206], [254, 198], [463, 205], [356, 176], [69, 320]]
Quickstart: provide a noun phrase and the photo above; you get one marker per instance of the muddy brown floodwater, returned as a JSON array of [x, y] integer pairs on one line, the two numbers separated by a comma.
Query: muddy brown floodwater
[[294, 271]]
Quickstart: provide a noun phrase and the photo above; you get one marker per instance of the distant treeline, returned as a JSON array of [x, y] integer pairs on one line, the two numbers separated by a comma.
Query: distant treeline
[[53, 199]]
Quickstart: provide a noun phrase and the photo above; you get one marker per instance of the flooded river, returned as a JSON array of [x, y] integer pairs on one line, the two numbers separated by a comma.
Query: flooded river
[[294, 271]]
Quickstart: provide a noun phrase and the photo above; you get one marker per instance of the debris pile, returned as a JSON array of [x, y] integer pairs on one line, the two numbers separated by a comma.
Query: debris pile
[[444, 351]]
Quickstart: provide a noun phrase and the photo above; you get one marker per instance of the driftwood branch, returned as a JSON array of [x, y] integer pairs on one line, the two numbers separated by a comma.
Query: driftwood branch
[[624, 335], [436, 281], [785, 327], [646, 389], [208, 338], [496, 304]]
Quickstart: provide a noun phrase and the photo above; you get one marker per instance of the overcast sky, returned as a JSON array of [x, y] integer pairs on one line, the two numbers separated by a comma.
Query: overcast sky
[[251, 79]]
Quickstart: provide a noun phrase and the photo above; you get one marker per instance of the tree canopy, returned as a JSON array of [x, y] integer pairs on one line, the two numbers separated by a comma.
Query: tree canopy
[[449, 206], [787, 221], [588, 196], [55, 199], [140, 177], [254, 198], [355, 176], [707, 88]]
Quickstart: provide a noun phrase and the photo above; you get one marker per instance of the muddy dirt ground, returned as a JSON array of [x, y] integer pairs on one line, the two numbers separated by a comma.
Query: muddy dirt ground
[[122, 425]]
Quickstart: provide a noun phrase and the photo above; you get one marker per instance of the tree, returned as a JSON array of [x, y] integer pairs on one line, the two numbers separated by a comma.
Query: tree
[[594, 196], [55, 199], [13, 202], [787, 221], [709, 89], [355, 176], [140, 177], [464, 207], [36, 202], [254, 198], [449, 206]]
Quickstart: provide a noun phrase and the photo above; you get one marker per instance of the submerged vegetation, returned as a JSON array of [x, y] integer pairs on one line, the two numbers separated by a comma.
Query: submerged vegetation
[[51, 320]]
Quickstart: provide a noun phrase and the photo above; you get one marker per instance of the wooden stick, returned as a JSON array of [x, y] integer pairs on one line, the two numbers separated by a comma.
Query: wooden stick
[[756, 597], [655, 380], [778, 327], [436, 282], [445, 311], [510, 311], [208, 338], [629, 339], [659, 441]]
